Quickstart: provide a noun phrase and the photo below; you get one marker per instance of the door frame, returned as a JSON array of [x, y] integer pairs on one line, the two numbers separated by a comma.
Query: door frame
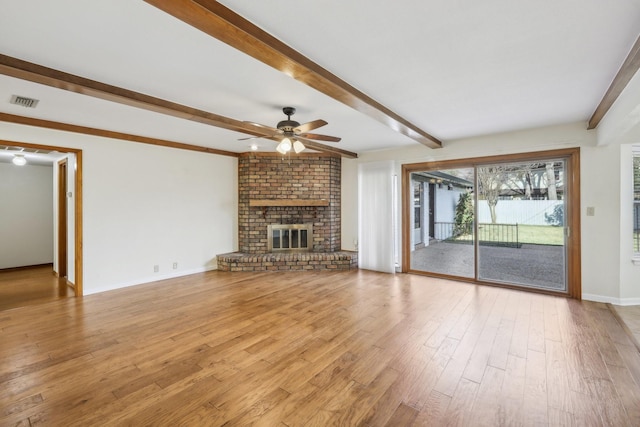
[[77, 285], [63, 218], [572, 214]]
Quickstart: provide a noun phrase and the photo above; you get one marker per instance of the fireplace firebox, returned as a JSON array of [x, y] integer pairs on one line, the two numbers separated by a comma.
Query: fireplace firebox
[[290, 237]]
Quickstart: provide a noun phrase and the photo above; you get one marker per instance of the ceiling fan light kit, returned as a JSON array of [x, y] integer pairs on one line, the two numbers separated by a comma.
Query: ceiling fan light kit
[[284, 147], [298, 147], [294, 133], [19, 160]]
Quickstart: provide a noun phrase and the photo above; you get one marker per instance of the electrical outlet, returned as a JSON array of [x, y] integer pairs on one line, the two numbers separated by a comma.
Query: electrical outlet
[[175, 265], [156, 268], [591, 211]]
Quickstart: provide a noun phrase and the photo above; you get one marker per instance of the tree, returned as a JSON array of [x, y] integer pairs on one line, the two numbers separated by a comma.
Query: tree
[[551, 182], [491, 179], [520, 180]]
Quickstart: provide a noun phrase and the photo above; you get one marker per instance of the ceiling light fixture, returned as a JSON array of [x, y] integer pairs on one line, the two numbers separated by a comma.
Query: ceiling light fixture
[[19, 159], [298, 146], [254, 147], [284, 147]]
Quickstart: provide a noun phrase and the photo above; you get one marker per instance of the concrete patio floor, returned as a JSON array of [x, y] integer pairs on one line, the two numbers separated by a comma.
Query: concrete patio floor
[[540, 266]]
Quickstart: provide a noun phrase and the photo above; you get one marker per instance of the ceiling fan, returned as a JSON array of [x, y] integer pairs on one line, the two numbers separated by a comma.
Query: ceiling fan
[[293, 135]]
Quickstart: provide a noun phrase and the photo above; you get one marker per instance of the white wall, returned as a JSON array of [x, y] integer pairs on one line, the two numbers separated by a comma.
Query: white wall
[[629, 272], [145, 205], [600, 182], [26, 215], [446, 201], [349, 202], [620, 128]]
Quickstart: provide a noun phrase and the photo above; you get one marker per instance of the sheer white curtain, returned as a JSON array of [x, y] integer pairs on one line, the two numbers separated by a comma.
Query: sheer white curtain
[[375, 216]]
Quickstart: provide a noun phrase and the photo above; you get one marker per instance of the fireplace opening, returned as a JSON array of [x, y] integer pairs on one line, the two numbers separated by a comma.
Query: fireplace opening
[[290, 237]]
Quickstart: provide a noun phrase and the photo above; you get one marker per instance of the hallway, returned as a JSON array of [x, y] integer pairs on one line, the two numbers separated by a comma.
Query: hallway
[[28, 286]]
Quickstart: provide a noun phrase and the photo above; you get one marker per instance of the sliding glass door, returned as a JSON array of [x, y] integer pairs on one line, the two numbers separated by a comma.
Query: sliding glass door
[[501, 220], [443, 209], [521, 233]]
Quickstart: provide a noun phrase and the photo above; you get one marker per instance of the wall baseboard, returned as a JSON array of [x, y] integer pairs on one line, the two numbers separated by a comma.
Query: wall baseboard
[[26, 267], [89, 291], [611, 300]]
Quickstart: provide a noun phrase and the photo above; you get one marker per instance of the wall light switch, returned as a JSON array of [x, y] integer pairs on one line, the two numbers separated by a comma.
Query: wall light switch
[[591, 211]]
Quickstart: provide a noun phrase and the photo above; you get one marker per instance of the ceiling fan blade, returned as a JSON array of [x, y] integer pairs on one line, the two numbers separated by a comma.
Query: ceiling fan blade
[[273, 130], [320, 137], [306, 127], [256, 137]]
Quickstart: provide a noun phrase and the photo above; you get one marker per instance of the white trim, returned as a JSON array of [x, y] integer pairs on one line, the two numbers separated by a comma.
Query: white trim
[[149, 279], [629, 301], [611, 300], [601, 298]]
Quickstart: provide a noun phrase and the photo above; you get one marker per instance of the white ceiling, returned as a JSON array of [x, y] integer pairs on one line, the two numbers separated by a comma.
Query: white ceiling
[[454, 68], [34, 157]]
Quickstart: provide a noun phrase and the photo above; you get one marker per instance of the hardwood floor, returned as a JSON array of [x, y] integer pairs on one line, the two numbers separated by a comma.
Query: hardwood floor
[[34, 285], [316, 348], [630, 318]]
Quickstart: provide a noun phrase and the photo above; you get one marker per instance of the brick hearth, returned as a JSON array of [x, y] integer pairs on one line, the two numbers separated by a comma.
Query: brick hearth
[[295, 189], [237, 261]]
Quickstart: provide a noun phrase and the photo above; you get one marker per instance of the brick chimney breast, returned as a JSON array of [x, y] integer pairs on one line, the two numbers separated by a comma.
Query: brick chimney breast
[[305, 178]]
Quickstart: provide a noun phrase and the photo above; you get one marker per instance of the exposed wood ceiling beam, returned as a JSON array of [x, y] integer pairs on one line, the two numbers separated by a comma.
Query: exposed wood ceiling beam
[[227, 26], [109, 134], [628, 69], [25, 70]]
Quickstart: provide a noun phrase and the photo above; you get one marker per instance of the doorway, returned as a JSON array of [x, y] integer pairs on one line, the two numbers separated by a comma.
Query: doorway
[[509, 221], [73, 247]]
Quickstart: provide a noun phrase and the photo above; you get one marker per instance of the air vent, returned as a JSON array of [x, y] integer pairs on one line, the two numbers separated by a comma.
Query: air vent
[[24, 101]]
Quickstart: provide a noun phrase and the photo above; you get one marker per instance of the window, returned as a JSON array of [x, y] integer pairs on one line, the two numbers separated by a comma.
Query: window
[[636, 200]]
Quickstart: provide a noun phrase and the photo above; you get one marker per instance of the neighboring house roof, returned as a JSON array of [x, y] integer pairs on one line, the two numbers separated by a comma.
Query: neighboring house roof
[[444, 178]]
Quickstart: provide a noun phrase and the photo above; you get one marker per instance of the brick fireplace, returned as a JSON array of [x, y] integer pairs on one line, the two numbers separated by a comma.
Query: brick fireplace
[[294, 189]]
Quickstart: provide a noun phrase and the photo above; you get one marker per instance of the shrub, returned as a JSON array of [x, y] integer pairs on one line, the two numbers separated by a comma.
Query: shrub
[[464, 214], [555, 218]]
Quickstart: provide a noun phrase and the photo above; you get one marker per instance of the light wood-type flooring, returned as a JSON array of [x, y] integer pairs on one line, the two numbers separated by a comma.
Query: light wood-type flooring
[[316, 349], [26, 286], [630, 318]]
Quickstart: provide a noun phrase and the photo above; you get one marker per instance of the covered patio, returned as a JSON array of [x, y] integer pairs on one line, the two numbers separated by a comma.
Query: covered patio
[[531, 265]]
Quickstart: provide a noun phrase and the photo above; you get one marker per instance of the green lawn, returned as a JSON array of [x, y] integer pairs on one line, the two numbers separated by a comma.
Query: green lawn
[[535, 234], [541, 234]]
